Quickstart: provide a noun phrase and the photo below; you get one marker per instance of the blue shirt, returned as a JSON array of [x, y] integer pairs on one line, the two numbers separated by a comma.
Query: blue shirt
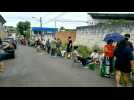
[[124, 55]]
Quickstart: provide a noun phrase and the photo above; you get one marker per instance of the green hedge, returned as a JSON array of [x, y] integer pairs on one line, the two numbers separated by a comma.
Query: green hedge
[[84, 51], [63, 45]]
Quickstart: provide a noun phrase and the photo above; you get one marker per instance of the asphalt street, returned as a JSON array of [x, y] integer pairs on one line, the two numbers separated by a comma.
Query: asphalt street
[[31, 69]]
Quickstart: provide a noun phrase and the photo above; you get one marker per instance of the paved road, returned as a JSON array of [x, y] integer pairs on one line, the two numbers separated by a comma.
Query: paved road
[[30, 69]]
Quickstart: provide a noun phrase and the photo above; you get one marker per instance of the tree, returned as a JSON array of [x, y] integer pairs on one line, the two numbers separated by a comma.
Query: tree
[[11, 29], [23, 28], [62, 28]]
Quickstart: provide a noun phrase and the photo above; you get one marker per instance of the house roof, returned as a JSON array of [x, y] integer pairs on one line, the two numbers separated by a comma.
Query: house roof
[[44, 29], [2, 19], [111, 16]]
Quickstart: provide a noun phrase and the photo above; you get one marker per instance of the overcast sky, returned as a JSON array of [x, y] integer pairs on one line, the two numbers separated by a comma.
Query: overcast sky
[[12, 18]]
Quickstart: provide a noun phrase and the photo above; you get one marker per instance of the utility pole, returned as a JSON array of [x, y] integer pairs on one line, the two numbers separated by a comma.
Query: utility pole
[[55, 23], [55, 27], [41, 26], [41, 22]]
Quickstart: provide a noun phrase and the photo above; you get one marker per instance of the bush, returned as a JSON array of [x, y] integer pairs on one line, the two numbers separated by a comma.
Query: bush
[[96, 47], [84, 51], [63, 46]]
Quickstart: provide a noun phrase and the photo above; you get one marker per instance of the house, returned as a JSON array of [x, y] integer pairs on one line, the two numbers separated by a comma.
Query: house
[[104, 24], [2, 28]]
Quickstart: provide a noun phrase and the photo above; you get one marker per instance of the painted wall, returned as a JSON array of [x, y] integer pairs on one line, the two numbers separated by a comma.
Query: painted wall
[[65, 34], [93, 35]]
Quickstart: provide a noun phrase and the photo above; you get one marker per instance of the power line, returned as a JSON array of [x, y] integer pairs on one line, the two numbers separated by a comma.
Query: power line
[[56, 17], [72, 21]]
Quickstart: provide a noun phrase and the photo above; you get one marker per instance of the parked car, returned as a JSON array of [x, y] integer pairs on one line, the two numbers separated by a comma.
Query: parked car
[[8, 52], [11, 40]]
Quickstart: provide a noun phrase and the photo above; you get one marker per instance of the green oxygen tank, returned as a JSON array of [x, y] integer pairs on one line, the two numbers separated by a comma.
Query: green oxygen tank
[[107, 67]]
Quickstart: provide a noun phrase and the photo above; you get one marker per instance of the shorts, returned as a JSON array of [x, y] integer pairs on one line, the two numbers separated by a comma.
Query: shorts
[[125, 68], [69, 49]]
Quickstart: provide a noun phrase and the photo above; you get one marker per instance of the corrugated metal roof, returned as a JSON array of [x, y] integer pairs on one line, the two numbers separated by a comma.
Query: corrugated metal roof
[[112, 16], [44, 29]]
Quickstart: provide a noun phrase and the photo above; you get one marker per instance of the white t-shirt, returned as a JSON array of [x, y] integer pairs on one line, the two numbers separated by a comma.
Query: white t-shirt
[[94, 55]]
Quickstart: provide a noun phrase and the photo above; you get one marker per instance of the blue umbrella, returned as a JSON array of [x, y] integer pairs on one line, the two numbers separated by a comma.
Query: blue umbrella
[[116, 37]]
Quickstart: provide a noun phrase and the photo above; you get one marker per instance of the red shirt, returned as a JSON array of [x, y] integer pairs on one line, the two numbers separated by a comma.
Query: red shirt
[[108, 50]]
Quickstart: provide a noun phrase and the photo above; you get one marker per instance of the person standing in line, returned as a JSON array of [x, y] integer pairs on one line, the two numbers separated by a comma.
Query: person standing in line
[[53, 46], [58, 47], [126, 38], [69, 47], [123, 63], [108, 55], [48, 46], [43, 42]]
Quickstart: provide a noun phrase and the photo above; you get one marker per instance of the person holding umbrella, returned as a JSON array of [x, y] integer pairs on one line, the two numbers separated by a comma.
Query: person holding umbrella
[[123, 63], [109, 51], [126, 38]]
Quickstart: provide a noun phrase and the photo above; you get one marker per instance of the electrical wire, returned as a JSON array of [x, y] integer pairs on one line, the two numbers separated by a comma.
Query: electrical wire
[[56, 17]]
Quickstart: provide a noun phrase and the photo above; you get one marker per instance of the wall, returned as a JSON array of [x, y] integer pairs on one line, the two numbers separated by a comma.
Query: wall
[[94, 35], [65, 34]]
